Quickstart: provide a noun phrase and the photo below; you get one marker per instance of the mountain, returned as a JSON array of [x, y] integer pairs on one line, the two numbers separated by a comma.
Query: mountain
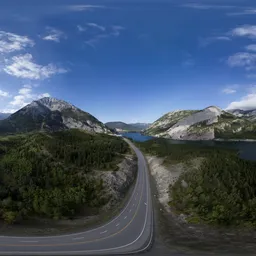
[[4, 115], [140, 126], [51, 114], [121, 126], [249, 114], [207, 124]]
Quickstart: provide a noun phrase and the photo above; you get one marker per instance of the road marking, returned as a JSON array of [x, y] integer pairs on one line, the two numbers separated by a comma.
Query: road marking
[[104, 232], [29, 241], [117, 224], [133, 205], [145, 203], [125, 217], [78, 238], [130, 210], [80, 233], [94, 240]]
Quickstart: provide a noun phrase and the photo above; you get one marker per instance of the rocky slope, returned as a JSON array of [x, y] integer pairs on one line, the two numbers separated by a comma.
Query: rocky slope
[[207, 124], [51, 114], [249, 114]]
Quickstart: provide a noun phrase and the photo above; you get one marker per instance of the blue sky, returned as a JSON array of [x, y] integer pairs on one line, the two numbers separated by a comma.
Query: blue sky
[[128, 60]]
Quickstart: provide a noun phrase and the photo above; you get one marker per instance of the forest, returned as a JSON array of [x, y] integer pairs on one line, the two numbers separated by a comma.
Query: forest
[[222, 191], [47, 174]]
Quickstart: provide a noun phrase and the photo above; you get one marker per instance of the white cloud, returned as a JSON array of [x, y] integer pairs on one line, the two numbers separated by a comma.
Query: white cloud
[[250, 11], [245, 31], [207, 6], [116, 30], [25, 96], [251, 76], [4, 94], [242, 59], [23, 66], [251, 47], [84, 7], [10, 42], [94, 25], [246, 103], [206, 41], [54, 35], [228, 91], [81, 28]]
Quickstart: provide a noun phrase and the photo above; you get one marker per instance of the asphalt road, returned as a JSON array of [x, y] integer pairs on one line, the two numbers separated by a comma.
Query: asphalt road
[[129, 232]]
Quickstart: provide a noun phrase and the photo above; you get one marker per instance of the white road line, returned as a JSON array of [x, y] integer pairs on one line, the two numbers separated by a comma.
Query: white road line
[[125, 217], [130, 210], [133, 205], [145, 203], [117, 224], [88, 231], [29, 241], [78, 238], [104, 232]]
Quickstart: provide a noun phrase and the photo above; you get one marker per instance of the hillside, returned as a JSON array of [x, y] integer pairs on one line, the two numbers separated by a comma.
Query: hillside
[[248, 114], [50, 114], [207, 124], [121, 126], [4, 115], [58, 174]]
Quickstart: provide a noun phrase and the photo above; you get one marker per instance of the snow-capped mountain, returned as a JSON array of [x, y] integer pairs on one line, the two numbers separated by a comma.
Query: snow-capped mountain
[[207, 124], [249, 114], [51, 114]]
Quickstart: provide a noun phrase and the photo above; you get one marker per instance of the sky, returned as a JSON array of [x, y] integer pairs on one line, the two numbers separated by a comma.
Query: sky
[[128, 60]]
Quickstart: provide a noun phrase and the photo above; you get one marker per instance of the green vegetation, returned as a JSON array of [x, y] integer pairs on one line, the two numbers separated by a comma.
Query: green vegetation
[[221, 191], [165, 122], [49, 174], [244, 133]]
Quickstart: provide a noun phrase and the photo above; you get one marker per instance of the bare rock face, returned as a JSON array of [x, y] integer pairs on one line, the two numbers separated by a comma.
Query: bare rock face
[[51, 114], [199, 124], [117, 183]]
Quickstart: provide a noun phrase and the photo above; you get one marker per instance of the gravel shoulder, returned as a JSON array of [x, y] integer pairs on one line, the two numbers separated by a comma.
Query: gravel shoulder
[[183, 238]]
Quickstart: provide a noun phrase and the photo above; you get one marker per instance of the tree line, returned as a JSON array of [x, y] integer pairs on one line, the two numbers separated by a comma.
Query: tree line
[[221, 191], [49, 174]]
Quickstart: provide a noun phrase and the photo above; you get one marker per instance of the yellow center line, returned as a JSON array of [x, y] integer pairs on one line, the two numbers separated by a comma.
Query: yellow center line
[[88, 241]]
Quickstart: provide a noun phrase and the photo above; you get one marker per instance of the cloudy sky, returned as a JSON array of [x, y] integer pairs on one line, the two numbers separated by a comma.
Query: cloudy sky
[[128, 60]]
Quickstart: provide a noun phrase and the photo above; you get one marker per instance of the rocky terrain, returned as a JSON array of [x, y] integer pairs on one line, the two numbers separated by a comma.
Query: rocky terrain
[[50, 114], [207, 124], [249, 114], [117, 183]]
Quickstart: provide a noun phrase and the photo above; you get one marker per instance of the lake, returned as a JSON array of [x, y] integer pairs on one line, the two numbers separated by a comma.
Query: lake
[[247, 150]]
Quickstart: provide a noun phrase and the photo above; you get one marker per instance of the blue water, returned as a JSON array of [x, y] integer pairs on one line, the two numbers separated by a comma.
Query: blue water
[[247, 150], [136, 136]]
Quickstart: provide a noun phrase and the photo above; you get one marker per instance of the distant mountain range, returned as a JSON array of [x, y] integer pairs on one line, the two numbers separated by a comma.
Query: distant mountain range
[[121, 126], [4, 115], [50, 114], [249, 114], [207, 124]]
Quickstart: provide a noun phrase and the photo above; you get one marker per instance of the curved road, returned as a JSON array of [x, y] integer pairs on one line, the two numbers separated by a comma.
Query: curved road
[[129, 232]]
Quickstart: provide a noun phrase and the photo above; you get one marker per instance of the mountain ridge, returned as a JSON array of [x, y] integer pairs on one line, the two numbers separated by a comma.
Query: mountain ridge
[[121, 126], [207, 124], [51, 114]]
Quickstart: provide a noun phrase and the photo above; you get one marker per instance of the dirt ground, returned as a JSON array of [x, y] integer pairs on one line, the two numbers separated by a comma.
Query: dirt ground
[[187, 239]]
